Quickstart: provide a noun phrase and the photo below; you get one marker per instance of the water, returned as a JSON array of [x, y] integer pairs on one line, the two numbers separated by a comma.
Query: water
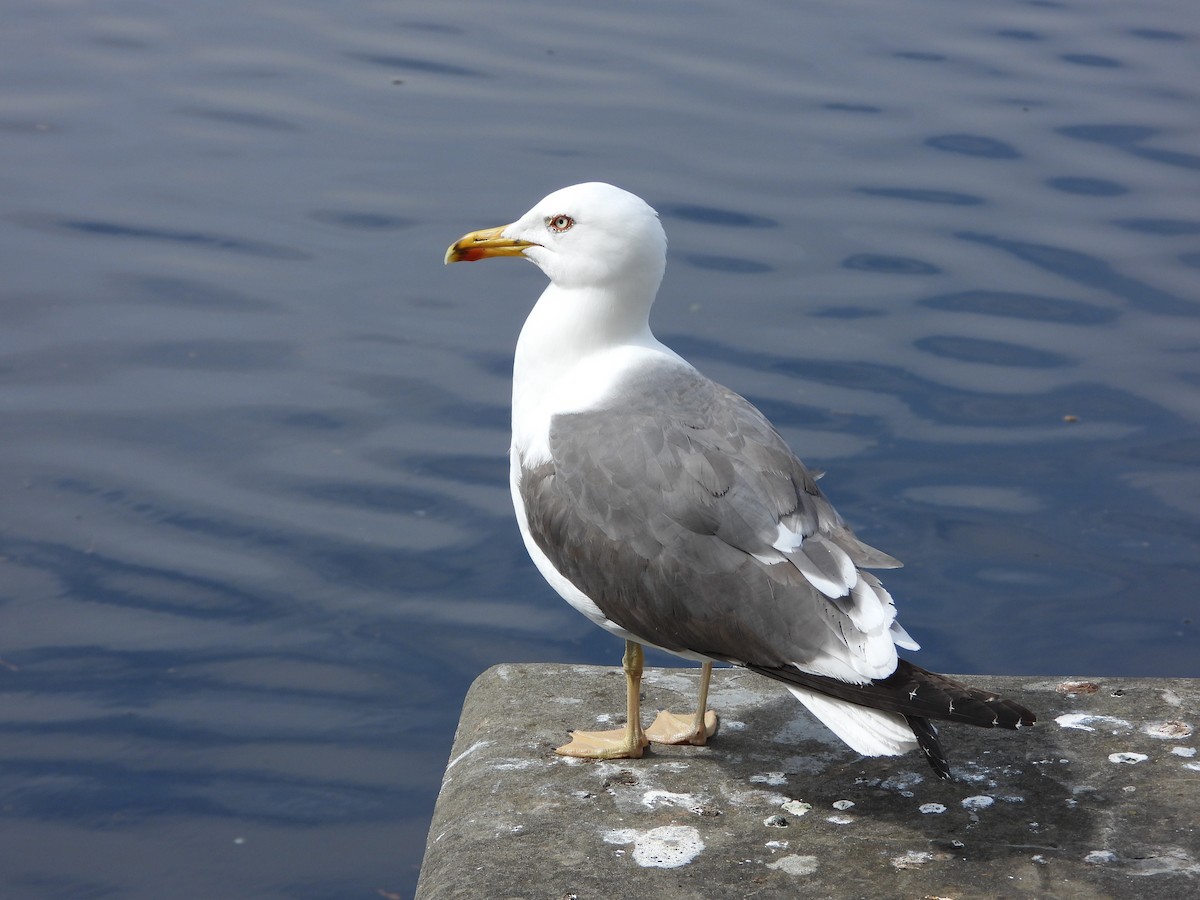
[[256, 538]]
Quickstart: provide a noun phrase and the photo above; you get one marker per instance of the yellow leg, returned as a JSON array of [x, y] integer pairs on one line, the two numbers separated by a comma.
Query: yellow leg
[[620, 743], [696, 729]]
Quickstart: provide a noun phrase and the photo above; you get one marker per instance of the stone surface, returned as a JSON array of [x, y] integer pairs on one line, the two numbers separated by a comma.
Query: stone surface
[[1099, 800]]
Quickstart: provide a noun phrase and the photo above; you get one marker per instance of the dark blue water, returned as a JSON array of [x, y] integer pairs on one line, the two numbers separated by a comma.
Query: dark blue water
[[256, 538]]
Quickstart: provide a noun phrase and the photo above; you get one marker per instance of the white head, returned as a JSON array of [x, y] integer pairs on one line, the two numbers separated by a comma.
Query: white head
[[589, 235], [604, 252]]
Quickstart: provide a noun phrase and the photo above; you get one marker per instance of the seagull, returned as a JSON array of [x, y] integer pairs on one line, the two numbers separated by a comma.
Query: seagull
[[669, 511]]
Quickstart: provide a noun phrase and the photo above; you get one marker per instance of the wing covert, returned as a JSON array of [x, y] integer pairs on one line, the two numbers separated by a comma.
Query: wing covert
[[710, 534]]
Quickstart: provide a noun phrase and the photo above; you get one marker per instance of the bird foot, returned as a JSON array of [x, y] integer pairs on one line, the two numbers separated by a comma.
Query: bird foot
[[669, 728], [615, 744]]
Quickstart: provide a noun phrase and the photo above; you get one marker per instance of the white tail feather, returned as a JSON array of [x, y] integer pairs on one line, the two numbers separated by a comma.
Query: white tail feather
[[866, 731]]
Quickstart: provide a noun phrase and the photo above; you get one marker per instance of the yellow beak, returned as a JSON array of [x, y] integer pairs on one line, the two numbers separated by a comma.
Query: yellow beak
[[482, 244]]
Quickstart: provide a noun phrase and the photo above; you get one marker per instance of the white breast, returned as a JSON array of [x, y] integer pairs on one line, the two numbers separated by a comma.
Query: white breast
[[543, 390]]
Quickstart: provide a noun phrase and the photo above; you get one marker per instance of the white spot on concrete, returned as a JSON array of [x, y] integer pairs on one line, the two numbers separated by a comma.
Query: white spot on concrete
[[620, 836], [652, 799], [912, 859], [1101, 857], [773, 778], [478, 745], [932, 808], [979, 801], [1184, 751], [902, 781], [732, 725], [796, 865], [1171, 730], [842, 804], [841, 820], [666, 847], [1195, 767], [603, 770], [777, 845], [1085, 721], [1127, 757], [796, 807], [1039, 859]]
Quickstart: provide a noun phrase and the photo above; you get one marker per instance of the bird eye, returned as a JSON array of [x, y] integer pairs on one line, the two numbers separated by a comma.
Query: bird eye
[[559, 223]]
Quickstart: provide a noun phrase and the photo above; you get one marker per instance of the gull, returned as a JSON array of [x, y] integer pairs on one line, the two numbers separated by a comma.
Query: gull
[[669, 511]]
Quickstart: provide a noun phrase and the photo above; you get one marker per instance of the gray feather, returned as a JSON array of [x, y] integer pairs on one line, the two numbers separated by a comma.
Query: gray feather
[[656, 505]]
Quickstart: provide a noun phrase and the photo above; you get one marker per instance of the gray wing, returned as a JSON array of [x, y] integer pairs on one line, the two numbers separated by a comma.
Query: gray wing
[[680, 511]]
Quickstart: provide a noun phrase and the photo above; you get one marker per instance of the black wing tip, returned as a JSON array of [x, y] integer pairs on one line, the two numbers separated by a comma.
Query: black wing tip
[[930, 745], [971, 706], [927, 739], [1008, 713]]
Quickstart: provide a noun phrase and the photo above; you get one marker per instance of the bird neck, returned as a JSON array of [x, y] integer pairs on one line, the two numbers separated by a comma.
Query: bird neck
[[568, 325], [562, 356]]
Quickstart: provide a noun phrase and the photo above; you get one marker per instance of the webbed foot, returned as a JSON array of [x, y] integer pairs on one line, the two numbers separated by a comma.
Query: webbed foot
[[669, 728], [618, 743]]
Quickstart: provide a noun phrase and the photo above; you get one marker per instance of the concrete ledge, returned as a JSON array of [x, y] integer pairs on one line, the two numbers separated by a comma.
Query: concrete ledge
[[1099, 800]]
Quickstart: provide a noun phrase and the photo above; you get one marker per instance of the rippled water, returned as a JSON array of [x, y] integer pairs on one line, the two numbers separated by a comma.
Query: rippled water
[[256, 538]]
